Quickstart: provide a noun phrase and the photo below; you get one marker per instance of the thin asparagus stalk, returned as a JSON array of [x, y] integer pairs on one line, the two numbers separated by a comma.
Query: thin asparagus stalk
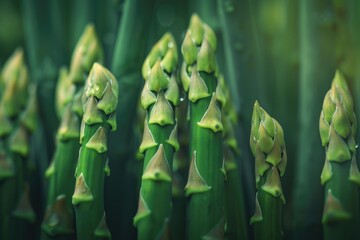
[[268, 147], [59, 217], [235, 211], [126, 65], [205, 186], [23, 216], [158, 98], [316, 52], [68, 103], [99, 103], [340, 175]]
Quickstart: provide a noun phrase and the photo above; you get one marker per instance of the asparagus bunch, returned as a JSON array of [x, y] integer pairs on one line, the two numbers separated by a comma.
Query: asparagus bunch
[[340, 175], [18, 113], [99, 99], [205, 186], [268, 147], [159, 97], [59, 217]]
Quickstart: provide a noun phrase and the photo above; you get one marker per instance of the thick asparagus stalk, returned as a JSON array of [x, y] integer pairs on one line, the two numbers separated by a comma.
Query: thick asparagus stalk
[[340, 174], [99, 104], [268, 147], [68, 104], [159, 96], [205, 186]]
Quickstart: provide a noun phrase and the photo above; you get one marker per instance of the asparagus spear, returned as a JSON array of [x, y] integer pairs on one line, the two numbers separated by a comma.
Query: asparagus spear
[[158, 98], [68, 103], [18, 115], [99, 103], [205, 186], [340, 175], [23, 216], [268, 147]]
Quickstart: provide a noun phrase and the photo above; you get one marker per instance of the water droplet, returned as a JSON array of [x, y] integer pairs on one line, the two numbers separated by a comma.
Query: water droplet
[[356, 146], [182, 99]]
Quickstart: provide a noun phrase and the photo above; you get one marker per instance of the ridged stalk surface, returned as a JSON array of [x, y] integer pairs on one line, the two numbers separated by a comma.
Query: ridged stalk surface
[[158, 98], [99, 104], [205, 186]]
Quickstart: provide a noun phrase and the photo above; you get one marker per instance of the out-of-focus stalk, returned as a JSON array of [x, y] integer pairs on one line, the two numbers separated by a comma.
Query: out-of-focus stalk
[[316, 52], [235, 211], [129, 54], [69, 107], [18, 113]]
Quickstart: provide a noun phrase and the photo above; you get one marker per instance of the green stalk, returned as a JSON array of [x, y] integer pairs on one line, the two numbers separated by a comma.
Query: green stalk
[[159, 96], [68, 104], [99, 103], [268, 147], [340, 175], [59, 217], [82, 14], [316, 52], [180, 174], [235, 210], [18, 115], [126, 65], [229, 17], [205, 186]]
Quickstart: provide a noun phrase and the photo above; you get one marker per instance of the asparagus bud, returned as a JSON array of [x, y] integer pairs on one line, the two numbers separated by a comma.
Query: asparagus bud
[[268, 147]]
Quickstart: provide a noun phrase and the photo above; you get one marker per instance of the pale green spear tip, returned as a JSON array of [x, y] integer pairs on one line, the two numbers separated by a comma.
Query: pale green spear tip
[[340, 82], [163, 52], [87, 51], [199, 45], [102, 85], [12, 65], [64, 92]]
